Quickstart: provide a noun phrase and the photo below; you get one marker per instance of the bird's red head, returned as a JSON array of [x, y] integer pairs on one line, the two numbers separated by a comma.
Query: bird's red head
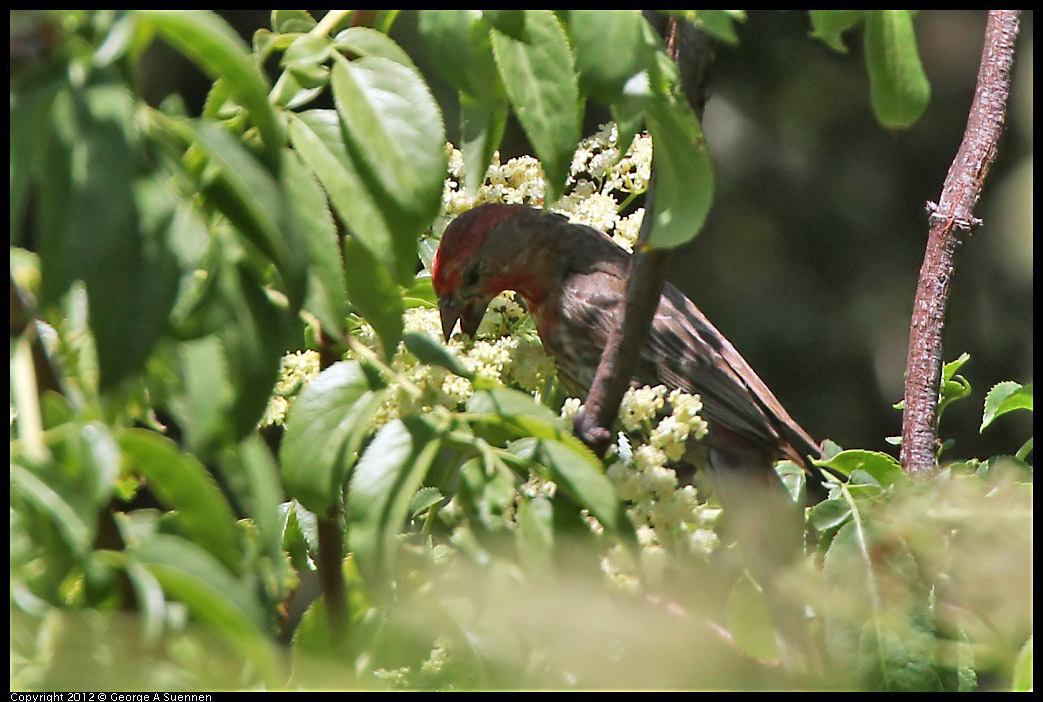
[[456, 272]]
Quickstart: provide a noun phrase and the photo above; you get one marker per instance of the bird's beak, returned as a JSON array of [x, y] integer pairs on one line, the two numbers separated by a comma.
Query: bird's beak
[[453, 309]]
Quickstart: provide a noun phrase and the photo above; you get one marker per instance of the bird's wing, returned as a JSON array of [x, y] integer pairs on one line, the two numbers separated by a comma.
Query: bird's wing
[[743, 402]]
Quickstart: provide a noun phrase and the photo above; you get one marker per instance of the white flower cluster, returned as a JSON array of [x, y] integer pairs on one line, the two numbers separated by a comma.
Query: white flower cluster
[[517, 182], [601, 183], [600, 175], [663, 512], [504, 352], [298, 369]]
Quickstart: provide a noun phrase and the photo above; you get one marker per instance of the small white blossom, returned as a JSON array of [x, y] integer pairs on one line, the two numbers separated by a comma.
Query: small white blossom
[[641, 405], [570, 408]]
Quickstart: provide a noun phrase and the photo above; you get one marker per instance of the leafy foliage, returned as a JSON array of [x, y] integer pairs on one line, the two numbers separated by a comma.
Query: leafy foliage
[[175, 472]]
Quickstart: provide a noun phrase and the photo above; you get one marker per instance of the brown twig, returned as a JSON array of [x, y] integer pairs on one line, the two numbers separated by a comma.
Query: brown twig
[[644, 287], [952, 216]]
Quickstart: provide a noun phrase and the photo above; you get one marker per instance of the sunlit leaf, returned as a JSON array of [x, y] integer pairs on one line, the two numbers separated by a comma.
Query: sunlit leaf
[[1005, 397]]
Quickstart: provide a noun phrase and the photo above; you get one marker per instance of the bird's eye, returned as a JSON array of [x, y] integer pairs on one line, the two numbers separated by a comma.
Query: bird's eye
[[469, 279]]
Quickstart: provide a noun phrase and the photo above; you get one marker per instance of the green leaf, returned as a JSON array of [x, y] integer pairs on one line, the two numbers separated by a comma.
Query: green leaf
[[461, 48], [324, 429], [182, 484], [382, 485], [579, 475], [249, 196], [252, 472], [396, 138], [366, 41], [508, 402], [481, 131], [949, 369], [132, 292], [829, 514], [536, 68], [317, 137], [253, 343], [209, 42], [111, 231], [829, 25], [749, 620], [884, 469], [284, 21], [535, 533], [204, 394], [311, 216], [429, 351], [374, 294], [75, 531], [1021, 680], [610, 49], [424, 499], [513, 23], [898, 85], [718, 23], [192, 576], [30, 133], [684, 174], [1005, 397]]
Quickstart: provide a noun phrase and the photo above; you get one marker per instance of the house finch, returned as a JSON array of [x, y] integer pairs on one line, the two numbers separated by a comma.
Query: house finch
[[573, 279]]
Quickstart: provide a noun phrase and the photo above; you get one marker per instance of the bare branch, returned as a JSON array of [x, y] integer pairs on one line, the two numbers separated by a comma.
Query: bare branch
[[951, 219]]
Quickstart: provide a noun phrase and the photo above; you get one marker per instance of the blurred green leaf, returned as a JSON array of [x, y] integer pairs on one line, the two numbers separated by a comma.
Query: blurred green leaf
[[749, 620], [253, 476], [191, 575], [76, 532], [182, 484], [394, 133], [324, 429], [424, 499], [535, 533], [253, 343], [382, 485], [537, 71], [250, 197], [610, 49], [373, 294], [718, 23], [429, 351], [1005, 397], [284, 21], [311, 216], [829, 514], [203, 393], [1021, 680], [898, 85], [829, 25], [461, 46], [209, 42], [481, 131], [513, 23]]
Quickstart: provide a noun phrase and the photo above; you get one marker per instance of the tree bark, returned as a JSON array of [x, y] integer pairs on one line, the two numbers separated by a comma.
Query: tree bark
[[951, 220]]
